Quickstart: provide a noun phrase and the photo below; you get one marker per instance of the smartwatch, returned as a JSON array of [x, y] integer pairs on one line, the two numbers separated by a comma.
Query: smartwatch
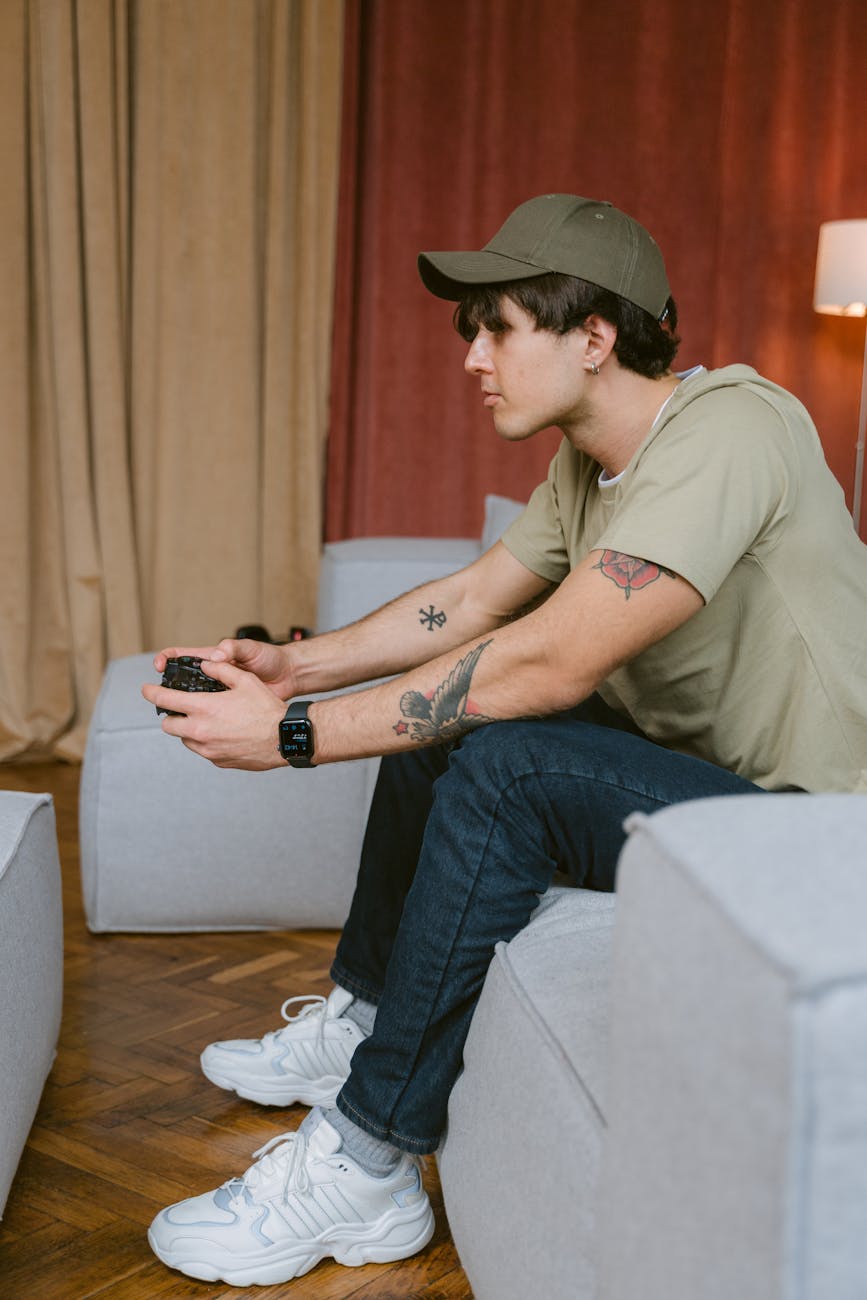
[[295, 735]]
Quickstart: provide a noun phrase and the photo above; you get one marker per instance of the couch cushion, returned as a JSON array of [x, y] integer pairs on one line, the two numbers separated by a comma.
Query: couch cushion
[[520, 1160], [500, 512]]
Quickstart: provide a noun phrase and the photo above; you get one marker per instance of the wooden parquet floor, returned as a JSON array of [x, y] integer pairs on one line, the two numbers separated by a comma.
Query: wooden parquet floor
[[128, 1124]]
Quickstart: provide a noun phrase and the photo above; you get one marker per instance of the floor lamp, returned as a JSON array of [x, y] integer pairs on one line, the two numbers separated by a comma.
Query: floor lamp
[[841, 290]]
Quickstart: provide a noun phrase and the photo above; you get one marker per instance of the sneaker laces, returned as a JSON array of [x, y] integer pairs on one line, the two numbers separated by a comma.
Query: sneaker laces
[[316, 1006], [291, 1151]]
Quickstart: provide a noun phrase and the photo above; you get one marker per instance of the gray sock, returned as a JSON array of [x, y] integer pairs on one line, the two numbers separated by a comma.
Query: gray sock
[[363, 1013], [375, 1156]]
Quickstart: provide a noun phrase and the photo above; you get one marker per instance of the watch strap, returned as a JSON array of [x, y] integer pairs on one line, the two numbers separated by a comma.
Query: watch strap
[[296, 709]]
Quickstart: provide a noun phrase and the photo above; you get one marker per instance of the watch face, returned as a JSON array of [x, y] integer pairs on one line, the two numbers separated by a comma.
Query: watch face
[[296, 737]]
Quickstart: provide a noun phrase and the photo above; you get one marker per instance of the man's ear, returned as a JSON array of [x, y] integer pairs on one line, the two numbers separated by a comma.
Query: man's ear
[[600, 337]]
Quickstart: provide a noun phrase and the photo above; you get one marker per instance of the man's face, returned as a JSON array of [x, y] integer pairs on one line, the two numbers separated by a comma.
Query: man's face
[[530, 378]]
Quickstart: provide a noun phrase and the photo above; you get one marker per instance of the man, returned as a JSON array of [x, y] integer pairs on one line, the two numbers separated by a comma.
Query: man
[[678, 613]]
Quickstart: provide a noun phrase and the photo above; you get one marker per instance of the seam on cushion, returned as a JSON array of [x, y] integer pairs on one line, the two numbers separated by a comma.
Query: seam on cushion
[[41, 801], [554, 1046], [820, 989]]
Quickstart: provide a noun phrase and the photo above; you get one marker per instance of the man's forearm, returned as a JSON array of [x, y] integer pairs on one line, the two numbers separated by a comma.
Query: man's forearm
[[409, 631], [492, 678]]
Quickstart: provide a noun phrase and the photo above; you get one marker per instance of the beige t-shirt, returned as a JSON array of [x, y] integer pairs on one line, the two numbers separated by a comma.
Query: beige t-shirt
[[730, 490]]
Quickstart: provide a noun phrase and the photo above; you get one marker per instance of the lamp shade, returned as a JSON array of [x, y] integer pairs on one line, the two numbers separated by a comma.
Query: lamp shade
[[841, 269]]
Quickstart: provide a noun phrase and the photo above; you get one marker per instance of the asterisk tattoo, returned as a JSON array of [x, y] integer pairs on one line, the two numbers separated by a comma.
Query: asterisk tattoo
[[431, 618]]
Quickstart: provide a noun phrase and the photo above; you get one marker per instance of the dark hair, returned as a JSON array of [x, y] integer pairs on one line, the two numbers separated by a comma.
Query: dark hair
[[561, 303]]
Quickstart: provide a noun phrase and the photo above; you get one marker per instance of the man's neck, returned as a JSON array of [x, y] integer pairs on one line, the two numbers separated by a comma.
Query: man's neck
[[617, 415]]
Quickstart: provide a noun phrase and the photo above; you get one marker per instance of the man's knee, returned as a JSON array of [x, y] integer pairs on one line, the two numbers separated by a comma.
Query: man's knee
[[496, 764], [518, 747]]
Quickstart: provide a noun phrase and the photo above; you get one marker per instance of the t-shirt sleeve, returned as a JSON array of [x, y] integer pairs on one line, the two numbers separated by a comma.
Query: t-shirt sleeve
[[536, 536], [712, 487]]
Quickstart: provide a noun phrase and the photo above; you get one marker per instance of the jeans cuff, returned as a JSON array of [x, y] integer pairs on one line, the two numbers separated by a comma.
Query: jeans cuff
[[415, 1146], [359, 988]]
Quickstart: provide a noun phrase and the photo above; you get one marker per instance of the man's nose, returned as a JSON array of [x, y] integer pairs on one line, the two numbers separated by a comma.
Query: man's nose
[[478, 359]]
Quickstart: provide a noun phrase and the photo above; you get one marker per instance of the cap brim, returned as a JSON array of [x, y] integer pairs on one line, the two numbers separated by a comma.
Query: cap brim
[[448, 275]]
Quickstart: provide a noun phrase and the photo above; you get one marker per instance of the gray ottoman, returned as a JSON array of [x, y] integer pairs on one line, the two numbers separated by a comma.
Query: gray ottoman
[[170, 842], [31, 966]]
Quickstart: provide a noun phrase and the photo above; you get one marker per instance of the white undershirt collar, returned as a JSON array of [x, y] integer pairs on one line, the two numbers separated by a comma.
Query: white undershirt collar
[[683, 375]]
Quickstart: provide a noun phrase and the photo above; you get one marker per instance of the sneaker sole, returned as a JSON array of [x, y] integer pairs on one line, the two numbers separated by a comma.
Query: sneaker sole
[[321, 1092], [392, 1238]]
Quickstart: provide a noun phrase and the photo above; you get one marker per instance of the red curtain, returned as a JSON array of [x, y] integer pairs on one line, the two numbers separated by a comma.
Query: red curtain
[[731, 130]]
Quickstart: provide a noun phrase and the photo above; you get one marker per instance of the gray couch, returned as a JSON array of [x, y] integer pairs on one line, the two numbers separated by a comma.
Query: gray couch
[[664, 1095], [31, 966]]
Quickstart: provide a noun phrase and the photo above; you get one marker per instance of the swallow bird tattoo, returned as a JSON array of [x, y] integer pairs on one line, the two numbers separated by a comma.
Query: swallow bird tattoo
[[446, 713]]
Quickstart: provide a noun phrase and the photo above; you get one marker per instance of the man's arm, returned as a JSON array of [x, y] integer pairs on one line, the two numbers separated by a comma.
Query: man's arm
[[608, 610], [411, 630], [418, 626]]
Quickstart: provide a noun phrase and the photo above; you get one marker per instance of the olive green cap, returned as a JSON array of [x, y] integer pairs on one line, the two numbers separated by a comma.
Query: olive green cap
[[559, 232]]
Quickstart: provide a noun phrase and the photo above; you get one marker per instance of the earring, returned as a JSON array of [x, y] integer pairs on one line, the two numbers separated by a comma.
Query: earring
[[594, 369]]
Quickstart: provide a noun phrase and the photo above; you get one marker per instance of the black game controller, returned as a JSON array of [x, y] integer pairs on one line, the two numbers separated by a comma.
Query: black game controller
[[185, 674]]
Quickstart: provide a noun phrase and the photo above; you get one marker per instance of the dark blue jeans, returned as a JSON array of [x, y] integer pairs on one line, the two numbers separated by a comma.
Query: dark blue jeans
[[460, 844]]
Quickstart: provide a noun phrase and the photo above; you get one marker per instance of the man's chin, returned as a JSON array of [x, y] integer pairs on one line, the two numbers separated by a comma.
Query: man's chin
[[513, 433], [516, 434]]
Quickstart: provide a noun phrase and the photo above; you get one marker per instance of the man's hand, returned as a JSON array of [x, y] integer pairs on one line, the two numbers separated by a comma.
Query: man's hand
[[232, 728], [270, 663]]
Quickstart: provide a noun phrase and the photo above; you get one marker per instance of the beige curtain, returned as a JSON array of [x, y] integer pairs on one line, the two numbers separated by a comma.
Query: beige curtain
[[166, 267]]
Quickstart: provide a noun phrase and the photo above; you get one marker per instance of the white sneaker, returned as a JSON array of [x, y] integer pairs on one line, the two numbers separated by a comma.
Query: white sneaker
[[307, 1061], [300, 1202]]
